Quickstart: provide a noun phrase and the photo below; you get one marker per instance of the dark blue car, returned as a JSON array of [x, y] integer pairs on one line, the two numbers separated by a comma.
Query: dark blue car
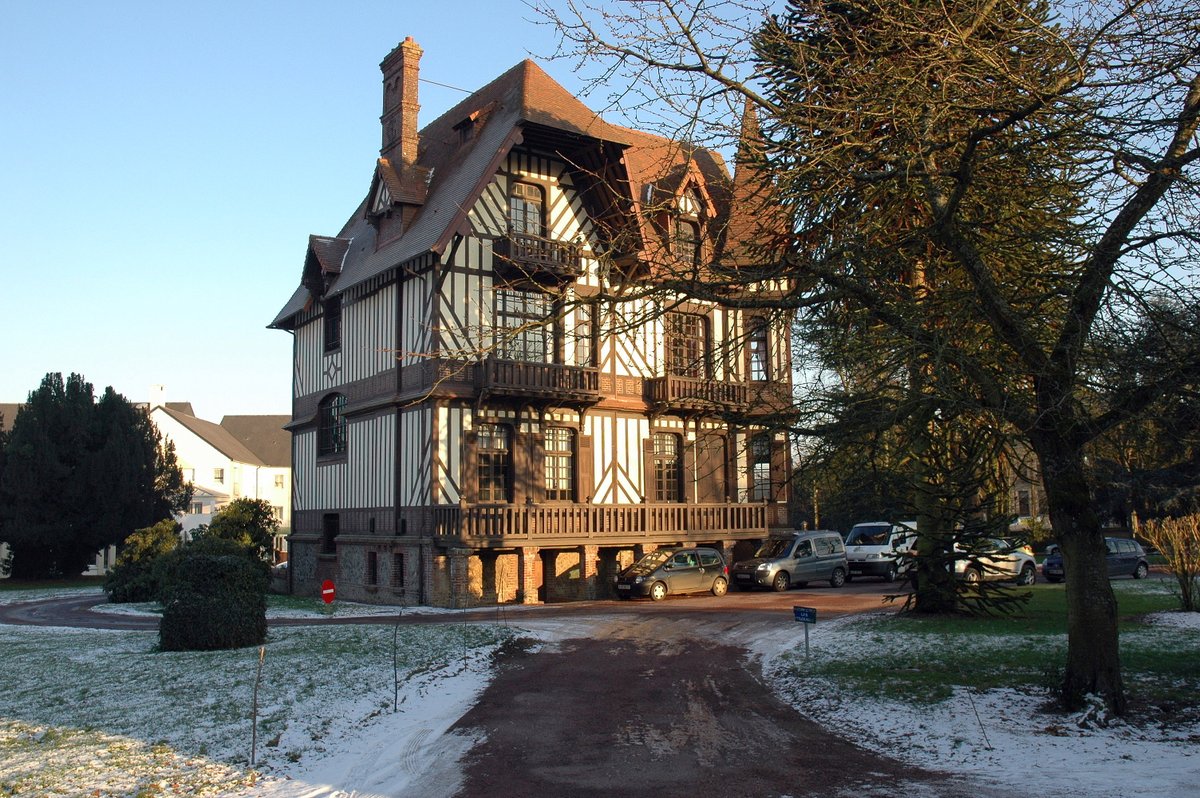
[[1125, 558]]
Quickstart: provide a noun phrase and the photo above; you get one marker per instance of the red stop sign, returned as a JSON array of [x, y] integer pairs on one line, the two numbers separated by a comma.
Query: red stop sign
[[327, 591]]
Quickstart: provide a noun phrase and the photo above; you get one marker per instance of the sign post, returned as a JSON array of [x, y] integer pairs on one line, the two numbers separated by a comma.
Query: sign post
[[806, 616], [327, 591]]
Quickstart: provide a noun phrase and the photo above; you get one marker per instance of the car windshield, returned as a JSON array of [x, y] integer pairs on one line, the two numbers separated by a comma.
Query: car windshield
[[869, 535], [653, 560], [773, 548]]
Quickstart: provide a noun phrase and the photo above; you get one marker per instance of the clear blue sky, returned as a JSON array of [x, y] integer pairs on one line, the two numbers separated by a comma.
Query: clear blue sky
[[162, 165]]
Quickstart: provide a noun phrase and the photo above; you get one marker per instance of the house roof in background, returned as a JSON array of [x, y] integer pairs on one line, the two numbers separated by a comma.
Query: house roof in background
[[263, 435], [8, 414], [216, 436]]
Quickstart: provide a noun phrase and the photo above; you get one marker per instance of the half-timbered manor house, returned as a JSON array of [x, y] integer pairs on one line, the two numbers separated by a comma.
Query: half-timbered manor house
[[481, 412]]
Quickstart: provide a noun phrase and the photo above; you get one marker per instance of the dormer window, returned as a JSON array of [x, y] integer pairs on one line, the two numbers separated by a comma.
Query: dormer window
[[687, 240]]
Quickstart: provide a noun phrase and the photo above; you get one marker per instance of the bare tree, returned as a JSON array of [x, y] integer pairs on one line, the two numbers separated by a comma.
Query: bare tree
[[985, 185]]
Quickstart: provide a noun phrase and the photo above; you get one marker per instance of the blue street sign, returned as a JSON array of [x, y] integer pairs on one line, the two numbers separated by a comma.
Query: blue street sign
[[805, 614]]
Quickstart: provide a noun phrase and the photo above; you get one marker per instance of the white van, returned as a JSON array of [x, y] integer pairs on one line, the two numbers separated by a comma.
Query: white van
[[876, 548]]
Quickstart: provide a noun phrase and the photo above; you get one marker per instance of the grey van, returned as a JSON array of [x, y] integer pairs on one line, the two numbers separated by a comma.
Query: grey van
[[797, 559]]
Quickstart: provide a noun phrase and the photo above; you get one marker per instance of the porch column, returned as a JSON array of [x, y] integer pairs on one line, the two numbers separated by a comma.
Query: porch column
[[640, 550], [527, 586], [589, 568], [460, 577]]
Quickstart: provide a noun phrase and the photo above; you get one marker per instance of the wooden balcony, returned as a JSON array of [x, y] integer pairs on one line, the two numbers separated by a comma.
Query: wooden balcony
[[551, 381], [505, 525], [521, 255], [690, 394]]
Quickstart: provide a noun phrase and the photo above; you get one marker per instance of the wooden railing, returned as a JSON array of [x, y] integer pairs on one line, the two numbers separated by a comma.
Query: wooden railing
[[688, 392], [520, 378], [545, 524], [530, 254]]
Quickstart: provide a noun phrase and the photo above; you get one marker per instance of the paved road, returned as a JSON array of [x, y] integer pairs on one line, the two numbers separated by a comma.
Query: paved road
[[649, 699]]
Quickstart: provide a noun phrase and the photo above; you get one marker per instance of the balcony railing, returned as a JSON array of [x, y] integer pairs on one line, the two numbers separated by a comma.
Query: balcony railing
[[549, 380], [512, 524], [688, 393], [530, 256]]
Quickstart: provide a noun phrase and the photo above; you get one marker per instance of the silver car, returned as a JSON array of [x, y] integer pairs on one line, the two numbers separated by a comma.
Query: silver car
[[797, 559]]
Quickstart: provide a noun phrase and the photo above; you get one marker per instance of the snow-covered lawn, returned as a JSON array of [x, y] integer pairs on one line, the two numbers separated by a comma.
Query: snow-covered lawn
[[102, 713]]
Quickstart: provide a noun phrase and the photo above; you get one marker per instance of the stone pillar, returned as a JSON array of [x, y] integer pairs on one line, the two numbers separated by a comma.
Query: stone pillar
[[642, 549], [527, 587], [589, 566], [460, 578]]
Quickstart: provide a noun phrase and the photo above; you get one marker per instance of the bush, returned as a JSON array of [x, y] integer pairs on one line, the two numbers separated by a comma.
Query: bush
[[133, 577], [214, 597], [248, 522]]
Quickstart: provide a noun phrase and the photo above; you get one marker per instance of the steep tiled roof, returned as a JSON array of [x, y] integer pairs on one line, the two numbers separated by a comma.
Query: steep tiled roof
[[462, 149], [263, 435]]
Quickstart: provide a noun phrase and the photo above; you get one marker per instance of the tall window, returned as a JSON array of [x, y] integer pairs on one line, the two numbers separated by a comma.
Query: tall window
[[219, 475], [523, 325], [330, 525], [760, 468], [494, 458], [667, 465], [333, 323], [331, 425], [525, 209], [759, 357], [372, 568], [687, 354], [560, 464], [687, 240], [397, 571]]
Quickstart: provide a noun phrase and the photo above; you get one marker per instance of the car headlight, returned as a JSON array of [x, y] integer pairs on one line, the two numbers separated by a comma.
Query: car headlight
[[638, 580], [763, 566]]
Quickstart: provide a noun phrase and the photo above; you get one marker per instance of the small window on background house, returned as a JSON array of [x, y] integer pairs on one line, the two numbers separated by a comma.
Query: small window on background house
[[372, 568], [197, 508], [560, 464], [279, 480], [277, 511], [333, 323], [219, 475], [759, 356], [525, 205], [331, 425], [1024, 505]]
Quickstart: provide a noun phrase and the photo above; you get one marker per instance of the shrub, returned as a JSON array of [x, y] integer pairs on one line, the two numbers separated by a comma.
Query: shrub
[[214, 597], [133, 578], [1179, 541], [248, 522]]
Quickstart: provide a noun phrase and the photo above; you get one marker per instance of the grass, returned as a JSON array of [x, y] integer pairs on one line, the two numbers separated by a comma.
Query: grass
[[104, 712], [922, 659]]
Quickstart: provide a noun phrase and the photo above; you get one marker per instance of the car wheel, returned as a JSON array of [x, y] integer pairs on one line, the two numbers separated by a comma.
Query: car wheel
[[1027, 576], [839, 578], [720, 586], [972, 576], [890, 576], [658, 591], [1141, 571], [781, 582]]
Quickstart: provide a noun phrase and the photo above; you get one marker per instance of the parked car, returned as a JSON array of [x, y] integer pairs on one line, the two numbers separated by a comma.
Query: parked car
[[796, 559], [878, 548], [675, 570], [1125, 558], [995, 559]]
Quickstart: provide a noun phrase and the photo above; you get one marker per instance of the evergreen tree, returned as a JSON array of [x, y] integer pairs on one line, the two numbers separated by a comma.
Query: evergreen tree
[[81, 475]]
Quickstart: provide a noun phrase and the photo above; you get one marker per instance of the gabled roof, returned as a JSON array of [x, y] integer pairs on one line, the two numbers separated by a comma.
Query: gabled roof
[[263, 435], [461, 151], [216, 436]]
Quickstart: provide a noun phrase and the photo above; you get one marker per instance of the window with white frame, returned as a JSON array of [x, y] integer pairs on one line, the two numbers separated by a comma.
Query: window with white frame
[[523, 325], [560, 463]]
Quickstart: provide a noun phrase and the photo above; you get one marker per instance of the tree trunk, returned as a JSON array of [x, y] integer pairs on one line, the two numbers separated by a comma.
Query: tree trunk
[[1093, 656]]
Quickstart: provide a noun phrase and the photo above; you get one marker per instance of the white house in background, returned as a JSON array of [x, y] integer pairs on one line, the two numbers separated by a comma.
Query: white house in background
[[242, 457]]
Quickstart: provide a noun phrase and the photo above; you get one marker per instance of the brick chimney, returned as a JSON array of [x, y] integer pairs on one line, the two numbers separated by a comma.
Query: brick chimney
[[400, 70]]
